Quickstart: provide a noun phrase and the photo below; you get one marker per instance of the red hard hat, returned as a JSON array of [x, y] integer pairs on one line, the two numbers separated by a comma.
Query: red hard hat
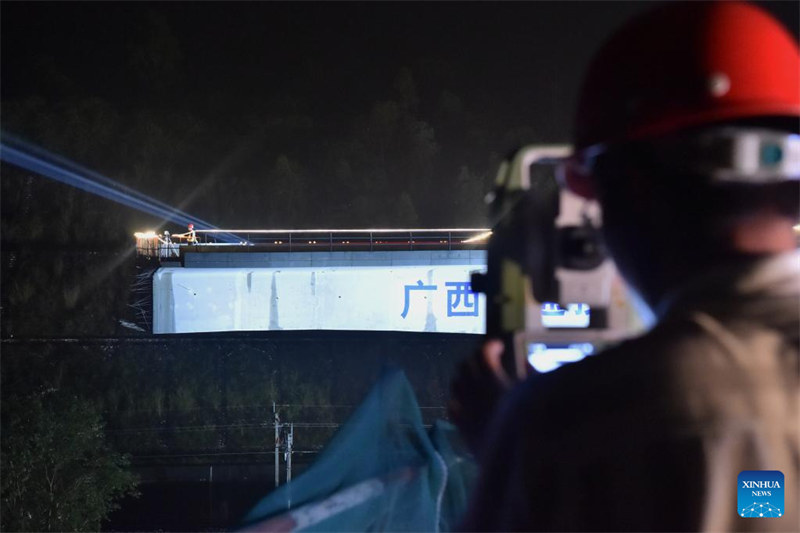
[[191, 226], [688, 64]]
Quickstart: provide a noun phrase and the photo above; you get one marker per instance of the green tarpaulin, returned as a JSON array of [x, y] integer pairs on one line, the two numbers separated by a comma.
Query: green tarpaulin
[[382, 471]]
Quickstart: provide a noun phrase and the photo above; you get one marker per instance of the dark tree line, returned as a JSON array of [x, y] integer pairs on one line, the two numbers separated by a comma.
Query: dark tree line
[[406, 155]]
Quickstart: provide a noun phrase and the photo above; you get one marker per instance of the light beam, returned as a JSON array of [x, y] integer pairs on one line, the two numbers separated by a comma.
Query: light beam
[[34, 159]]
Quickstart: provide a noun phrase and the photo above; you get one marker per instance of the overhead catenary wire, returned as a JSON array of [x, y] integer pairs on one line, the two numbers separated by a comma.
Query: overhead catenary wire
[[215, 427]]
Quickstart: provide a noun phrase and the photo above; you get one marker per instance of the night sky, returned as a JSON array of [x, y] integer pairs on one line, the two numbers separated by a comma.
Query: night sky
[[265, 79], [518, 63]]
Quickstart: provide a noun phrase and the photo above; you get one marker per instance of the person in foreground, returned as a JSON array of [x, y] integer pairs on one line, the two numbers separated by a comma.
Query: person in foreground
[[685, 125]]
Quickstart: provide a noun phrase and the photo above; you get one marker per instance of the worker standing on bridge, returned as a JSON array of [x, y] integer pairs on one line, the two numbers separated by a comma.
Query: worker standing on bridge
[[686, 133], [192, 236]]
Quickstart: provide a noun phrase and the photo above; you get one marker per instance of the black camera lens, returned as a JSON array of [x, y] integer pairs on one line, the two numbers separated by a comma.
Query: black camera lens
[[580, 247]]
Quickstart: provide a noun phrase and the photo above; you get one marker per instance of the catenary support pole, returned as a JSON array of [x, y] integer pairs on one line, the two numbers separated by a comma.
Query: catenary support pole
[[276, 422]]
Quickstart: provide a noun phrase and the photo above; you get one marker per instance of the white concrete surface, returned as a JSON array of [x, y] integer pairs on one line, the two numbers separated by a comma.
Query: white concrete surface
[[191, 300]]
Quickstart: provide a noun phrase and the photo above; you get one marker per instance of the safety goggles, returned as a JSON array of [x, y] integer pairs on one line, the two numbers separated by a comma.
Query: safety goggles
[[725, 155]]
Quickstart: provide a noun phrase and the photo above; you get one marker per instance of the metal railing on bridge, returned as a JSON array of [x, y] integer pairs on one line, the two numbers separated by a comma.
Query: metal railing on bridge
[[168, 247]]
